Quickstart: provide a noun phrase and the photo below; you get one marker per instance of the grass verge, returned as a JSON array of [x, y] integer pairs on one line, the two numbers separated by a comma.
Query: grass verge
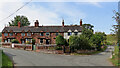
[[114, 58], [6, 62]]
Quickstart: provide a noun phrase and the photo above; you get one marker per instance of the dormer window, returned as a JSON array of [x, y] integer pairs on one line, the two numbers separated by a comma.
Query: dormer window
[[22, 34], [75, 33], [69, 33], [5, 34]]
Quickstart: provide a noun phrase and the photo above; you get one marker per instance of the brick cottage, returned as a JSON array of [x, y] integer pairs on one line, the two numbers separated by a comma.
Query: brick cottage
[[42, 34]]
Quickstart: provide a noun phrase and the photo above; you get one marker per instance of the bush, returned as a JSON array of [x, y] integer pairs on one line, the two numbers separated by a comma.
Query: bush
[[79, 43], [15, 41], [58, 48], [60, 40]]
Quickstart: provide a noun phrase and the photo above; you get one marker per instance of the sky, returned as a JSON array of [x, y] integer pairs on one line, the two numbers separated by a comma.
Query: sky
[[99, 13]]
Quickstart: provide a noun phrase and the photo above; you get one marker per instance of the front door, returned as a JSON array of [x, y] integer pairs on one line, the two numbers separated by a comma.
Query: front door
[[47, 41], [23, 41]]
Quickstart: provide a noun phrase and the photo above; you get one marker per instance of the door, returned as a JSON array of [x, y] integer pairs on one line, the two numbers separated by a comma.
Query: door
[[47, 41]]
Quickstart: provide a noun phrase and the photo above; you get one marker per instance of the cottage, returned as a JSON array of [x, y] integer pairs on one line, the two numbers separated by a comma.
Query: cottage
[[42, 34]]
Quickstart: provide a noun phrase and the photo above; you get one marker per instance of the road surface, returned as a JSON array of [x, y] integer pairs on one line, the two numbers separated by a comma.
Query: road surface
[[29, 58]]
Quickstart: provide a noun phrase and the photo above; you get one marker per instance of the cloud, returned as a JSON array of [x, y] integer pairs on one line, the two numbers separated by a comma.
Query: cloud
[[45, 15]]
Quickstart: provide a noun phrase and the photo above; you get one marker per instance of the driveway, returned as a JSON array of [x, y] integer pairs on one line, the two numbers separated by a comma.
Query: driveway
[[29, 58]]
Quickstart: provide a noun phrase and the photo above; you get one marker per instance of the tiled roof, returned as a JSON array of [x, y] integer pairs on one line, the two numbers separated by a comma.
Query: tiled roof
[[42, 28]]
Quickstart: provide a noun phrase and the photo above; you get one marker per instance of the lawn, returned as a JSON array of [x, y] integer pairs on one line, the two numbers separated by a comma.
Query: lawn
[[114, 58], [6, 62]]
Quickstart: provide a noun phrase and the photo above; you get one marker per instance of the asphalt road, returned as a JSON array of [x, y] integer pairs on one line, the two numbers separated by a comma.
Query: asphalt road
[[28, 58]]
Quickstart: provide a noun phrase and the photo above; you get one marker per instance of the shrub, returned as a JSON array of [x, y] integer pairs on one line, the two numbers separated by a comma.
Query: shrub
[[58, 48], [15, 41], [79, 42], [60, 40]]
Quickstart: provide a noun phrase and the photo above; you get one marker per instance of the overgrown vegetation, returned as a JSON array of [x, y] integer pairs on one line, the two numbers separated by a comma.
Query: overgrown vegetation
[[111, 39], [86, 41], [114, 59], [6, 62]]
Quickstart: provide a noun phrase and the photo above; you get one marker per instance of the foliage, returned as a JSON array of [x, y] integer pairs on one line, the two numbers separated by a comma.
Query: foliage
[[115, 57], [33, 41], [111, 39], [23, 19], [66, 43], [6, 62], [15, 41], [0, 34], [60, 40], [87, 30], [88, 27], [58, 48], [97, 39], [79, 42]]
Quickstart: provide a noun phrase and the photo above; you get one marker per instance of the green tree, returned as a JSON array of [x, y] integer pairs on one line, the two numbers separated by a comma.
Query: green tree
[[87, 30], [60, 40], [88, 27], [79, 42], [23, 19], [97, 39]]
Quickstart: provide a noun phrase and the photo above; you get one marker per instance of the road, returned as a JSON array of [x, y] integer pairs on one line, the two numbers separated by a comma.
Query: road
[[29, 58]]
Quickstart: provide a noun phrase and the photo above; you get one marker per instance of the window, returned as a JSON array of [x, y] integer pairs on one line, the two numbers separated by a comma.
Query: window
[[11, 34], [28, 34], [47, 34], [5, 34], [9, 40], [69, 33], [41, 34], [22, 34], [76, 33], [57, 34], [41, 40], [5, 40], [29, 40]]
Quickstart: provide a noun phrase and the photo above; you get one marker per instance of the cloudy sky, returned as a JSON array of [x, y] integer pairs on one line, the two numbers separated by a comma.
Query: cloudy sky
[[96, 12]]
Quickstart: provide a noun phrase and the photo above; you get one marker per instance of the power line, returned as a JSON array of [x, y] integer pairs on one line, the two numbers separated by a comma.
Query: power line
[[16, 11]]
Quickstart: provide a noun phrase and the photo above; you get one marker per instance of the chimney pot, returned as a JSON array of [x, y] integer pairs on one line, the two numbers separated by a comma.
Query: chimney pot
[[63, 23], [36, 23], [80, 22]]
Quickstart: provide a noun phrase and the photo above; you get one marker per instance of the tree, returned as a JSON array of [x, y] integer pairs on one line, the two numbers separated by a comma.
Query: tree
[[23, 19], [97, 39], [79, 42], [60, 40], [87, 30], [88, 27], [117, 27]]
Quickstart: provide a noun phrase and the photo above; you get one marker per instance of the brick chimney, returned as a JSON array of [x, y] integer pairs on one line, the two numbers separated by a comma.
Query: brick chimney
[[80, 22], [63, 23], [36, 23], [19, 24]]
